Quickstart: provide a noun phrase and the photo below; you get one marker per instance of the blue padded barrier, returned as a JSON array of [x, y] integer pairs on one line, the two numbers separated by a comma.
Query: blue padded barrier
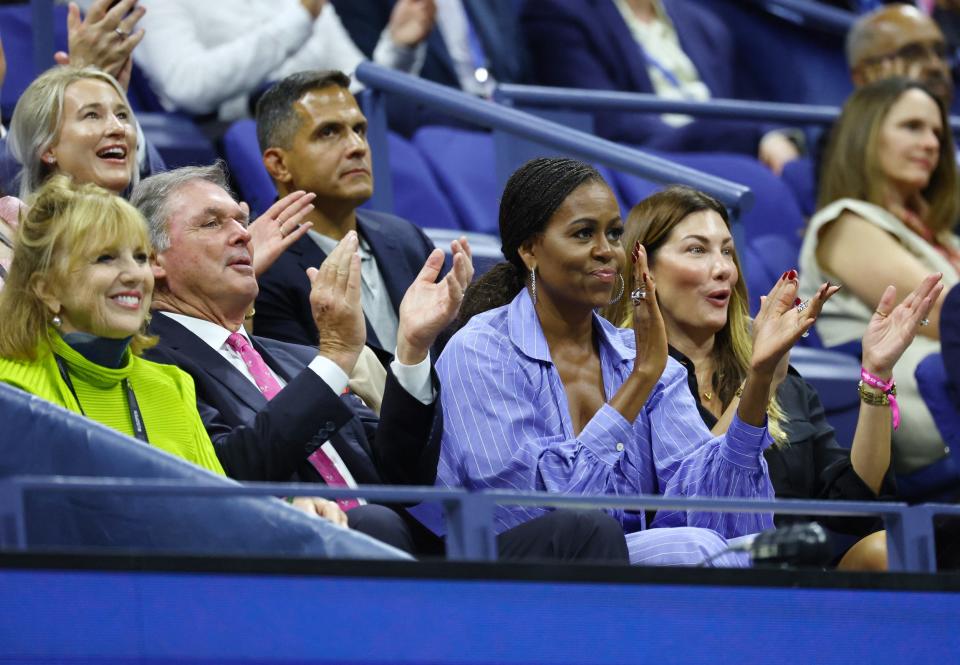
[[39, 438]]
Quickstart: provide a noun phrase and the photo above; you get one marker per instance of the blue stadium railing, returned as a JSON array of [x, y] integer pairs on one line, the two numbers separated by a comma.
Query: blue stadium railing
[[39, 435], [381, 81], [809, 14], [589, 101]]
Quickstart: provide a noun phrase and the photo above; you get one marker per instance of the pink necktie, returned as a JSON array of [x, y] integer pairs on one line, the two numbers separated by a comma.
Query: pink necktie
[[269, 386]]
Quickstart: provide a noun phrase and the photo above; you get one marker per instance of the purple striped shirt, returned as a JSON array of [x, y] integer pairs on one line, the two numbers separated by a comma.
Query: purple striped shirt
[[507, 426]]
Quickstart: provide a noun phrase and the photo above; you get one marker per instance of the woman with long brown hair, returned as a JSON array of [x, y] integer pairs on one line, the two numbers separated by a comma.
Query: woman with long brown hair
[[888, 200]]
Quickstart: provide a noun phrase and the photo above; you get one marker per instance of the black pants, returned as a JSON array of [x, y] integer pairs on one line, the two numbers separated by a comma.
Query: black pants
[[383, 524], [566, 535], [561, 535]]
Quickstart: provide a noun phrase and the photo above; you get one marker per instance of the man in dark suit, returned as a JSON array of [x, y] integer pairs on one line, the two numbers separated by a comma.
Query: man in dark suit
[[276, 410], [313, 138]]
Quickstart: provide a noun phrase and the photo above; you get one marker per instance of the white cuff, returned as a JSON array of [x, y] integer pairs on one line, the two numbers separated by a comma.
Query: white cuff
[[331, 373], [415, 379]]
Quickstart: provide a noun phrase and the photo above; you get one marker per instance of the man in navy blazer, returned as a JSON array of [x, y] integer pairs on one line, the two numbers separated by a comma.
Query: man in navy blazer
[[269, 410], [588, 44], [313, 138]]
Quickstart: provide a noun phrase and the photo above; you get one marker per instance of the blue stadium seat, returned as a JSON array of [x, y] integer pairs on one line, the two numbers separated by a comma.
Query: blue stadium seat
[[800, 178], [463, 163], [943, 477], [417, 195], [242, 153], [16, 30], [835, 376]]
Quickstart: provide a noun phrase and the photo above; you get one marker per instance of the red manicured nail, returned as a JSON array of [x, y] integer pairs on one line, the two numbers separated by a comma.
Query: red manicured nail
[[792, 274], [644, 277], [796, 301], [783, 276]]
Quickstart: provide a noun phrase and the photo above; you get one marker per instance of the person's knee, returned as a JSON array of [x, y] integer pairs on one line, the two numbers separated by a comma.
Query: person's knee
[[593, 535], [867, 554], [383, 524]]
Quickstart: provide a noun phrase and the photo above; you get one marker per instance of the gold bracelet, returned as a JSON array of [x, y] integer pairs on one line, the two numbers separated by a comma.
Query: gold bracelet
[[869, 396]]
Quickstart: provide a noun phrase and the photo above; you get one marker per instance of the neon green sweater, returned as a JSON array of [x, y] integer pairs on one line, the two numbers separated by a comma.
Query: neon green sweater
[[165, 395]]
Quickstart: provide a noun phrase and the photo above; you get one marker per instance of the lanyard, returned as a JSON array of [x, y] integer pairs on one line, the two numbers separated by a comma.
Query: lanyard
[[139, 430]]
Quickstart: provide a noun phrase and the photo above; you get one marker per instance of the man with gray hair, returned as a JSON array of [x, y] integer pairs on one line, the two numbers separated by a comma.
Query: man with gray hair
[[277, 411]]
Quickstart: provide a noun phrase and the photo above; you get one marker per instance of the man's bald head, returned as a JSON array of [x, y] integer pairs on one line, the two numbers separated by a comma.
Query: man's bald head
[[899, 40]]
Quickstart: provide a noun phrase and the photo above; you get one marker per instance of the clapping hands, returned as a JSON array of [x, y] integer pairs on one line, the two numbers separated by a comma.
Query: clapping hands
[[430, 306], [892, 329], [782, 320]]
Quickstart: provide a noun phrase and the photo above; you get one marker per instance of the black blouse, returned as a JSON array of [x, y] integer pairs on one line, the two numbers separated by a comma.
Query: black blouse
[[812, 465]]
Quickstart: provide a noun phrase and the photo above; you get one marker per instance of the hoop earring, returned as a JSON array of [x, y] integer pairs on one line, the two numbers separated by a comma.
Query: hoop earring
[[619, 295], [533, 285], [56, 321]]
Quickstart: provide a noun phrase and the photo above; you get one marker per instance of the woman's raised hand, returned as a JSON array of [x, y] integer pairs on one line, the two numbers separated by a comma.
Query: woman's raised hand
[[648, 328], [891, 329], [782, 320]]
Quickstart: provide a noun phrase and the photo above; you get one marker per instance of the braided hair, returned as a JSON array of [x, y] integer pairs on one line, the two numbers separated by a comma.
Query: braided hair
[[530, 198]]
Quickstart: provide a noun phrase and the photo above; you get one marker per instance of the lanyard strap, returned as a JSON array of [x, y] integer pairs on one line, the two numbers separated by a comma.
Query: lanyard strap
[[139, 429]]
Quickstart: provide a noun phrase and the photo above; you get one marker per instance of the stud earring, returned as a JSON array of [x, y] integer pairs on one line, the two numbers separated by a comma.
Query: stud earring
[[533, 285], [619, 295], [56, 321]]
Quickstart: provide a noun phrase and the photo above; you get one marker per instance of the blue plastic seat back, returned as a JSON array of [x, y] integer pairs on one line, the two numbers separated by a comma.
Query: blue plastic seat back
[[800, 178], [940, 480], [417, 196], [16, 30], [242, 152], [464, 164]]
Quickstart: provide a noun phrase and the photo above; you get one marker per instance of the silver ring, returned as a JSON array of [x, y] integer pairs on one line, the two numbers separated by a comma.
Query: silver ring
[[802, 306], [924, 322], [638, 296], [123, 34]]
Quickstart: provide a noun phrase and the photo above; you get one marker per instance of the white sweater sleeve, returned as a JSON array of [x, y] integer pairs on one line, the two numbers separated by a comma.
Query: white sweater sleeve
[[197, 72]]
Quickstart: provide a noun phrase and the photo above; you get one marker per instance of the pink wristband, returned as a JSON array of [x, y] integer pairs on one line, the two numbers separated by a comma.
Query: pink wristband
[[889, 388]]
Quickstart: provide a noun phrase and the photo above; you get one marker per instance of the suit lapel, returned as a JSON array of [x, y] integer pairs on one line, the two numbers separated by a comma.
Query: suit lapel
[[178, 338], [628, 53], [438, 48], [388, 256], [308, 253]]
